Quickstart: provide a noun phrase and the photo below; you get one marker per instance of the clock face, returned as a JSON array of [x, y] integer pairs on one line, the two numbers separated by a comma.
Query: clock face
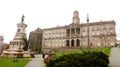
[[18, 30]]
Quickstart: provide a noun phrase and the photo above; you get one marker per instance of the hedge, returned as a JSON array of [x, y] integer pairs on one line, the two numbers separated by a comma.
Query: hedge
[[86, 59]]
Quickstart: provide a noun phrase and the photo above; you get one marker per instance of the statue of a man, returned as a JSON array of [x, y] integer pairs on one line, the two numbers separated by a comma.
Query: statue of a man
[[22, 19]]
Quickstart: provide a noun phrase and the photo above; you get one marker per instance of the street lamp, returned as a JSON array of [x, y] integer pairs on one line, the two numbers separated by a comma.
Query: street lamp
[[88, 30]]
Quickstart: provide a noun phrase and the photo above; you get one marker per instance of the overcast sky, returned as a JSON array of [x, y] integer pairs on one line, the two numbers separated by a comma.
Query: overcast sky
[[50, 13]]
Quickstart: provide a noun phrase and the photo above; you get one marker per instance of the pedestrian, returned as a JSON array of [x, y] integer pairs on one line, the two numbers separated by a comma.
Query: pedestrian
[[43, 55]]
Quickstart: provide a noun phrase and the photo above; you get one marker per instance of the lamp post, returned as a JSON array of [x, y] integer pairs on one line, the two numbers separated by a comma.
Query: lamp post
[[88, 30]]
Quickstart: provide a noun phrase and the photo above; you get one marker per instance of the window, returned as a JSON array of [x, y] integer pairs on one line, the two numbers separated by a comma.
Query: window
[[98, 44], [93, 33], [18, 30], [112, 43], [111, 31], [48, 44], [83, 34], [98, 32]]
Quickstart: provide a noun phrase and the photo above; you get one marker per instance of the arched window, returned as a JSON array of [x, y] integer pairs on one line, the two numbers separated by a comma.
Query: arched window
[[67, 43], [77, 42], [72, 42]]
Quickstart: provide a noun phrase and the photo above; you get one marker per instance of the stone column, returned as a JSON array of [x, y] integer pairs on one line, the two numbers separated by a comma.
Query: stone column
[[79, 32], [75, 31], [75, 42], [70, 32], [70, 42]]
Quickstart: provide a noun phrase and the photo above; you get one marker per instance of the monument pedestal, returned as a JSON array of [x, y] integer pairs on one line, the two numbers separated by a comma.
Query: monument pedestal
[[17, 54], [12, 53]]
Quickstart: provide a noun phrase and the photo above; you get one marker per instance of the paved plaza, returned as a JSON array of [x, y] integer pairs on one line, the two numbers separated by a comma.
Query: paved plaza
[[36, 62], [115, 57]]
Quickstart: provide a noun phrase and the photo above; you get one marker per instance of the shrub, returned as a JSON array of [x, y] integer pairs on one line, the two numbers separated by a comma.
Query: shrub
[[87, 59], [48, 59]]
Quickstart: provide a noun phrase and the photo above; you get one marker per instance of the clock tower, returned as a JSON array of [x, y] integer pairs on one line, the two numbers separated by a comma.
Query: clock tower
[[76, 18]]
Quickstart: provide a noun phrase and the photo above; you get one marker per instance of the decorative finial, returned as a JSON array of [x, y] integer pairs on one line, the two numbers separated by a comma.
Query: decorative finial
[[87, 17], [22, 18]]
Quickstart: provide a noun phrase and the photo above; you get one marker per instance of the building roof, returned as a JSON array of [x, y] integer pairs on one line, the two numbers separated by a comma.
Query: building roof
[[72, 25], [57, 27], [90, 23]]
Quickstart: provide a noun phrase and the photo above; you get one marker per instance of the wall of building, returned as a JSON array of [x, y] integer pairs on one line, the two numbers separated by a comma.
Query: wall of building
[[101, 34], [75, 35], [1, 43], [35, 40]]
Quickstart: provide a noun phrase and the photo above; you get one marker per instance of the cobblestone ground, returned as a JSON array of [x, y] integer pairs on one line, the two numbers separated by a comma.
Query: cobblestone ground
[[115, 57], [36, 62]]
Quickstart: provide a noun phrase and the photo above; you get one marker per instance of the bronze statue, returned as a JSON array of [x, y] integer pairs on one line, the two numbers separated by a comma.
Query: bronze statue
[[22, 19], [25, 44]]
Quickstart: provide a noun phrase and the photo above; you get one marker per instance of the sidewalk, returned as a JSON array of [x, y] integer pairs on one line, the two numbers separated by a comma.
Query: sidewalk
[[115, 57], [36, 62]]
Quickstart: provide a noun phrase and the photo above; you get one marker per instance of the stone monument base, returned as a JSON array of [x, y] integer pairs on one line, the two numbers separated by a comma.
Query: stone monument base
[[17, 54]]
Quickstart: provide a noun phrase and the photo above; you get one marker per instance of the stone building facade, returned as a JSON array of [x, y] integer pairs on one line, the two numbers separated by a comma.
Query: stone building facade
[[35, 40], [75, 35], [1, 43]]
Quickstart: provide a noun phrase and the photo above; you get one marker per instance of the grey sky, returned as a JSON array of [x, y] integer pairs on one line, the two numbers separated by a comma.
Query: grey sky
[[50, 13]]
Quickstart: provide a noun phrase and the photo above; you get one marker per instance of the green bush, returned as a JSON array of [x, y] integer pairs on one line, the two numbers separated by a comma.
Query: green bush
[[86, 59]]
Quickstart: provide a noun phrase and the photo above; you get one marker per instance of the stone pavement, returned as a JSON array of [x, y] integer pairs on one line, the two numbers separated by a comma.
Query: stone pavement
[[36, 62], [115, 57]]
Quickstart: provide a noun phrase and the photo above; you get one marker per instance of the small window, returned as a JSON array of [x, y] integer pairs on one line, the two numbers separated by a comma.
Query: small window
[[98, 44], [93, 33], [98, 33], [112, 43], [18, 30]]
